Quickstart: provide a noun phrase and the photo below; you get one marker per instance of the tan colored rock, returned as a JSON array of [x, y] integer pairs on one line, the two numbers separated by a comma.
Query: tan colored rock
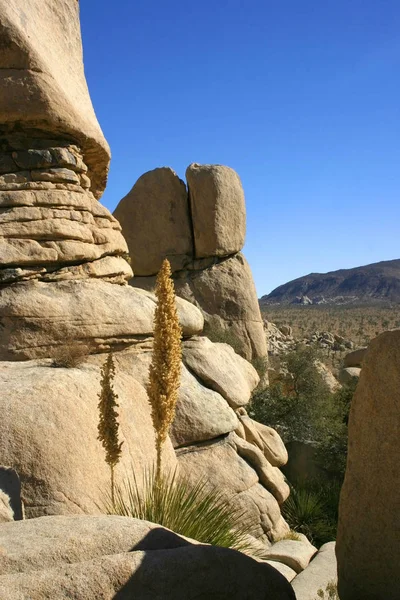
[[6, 512], [227, 296], [327, 376], [265, 438], [218, 210], [190, 317], [220, 465], [270, 477], [48, 433], [349, 374], [296, 554], [219, 367], [104, 315], [117, 557], [355, 358], [288, 573], [321, 571], [42, 53], [155, 219], [367, 547], [201, 414]]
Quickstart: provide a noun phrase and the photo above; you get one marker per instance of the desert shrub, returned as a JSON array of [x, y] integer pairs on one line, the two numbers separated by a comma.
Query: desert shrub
[[217, 334], [188, 509], [301, 407], [70, 355], [312, 509], [260, 363], [331, 592], [299, 404]]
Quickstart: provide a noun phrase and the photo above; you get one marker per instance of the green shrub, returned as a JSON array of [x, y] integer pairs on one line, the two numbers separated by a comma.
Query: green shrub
[[301, 407], [312, 509], [188, 509]]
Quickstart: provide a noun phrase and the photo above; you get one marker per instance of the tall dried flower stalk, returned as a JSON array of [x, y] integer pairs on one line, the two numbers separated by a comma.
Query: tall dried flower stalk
[[108, 422], [165, 368]]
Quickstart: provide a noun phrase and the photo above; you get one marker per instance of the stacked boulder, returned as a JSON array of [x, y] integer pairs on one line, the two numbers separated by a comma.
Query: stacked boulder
[[63, 286], [201, 230]]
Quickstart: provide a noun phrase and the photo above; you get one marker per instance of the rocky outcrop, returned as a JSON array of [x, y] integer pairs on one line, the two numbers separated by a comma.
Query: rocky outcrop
[[321, 572], [44, 97], [367, 548], [218, 211], [122, 558], [64, 292], [150, 240], [201, 231]]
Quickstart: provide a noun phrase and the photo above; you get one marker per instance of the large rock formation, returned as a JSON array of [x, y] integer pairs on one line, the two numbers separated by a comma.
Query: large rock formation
[[201, 231], [368, 549], [63, 288], [121, 558]]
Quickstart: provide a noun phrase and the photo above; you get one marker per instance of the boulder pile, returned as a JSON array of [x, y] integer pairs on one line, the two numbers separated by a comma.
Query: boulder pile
[[201, 230], [63, 288]]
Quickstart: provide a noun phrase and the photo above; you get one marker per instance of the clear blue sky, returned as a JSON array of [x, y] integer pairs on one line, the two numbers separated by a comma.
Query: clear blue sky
[[301, 97]]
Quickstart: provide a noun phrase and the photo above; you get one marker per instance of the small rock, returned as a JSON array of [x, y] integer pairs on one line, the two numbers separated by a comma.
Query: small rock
[[294, 554], [56, 175]]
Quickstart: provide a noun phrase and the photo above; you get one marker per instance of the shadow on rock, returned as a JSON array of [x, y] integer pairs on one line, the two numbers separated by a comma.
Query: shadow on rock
[[170, 567]]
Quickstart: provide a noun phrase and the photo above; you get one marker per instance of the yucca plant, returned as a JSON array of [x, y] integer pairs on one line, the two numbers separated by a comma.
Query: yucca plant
[[192, 510], [165, 368], [307, 511], [108, 426]]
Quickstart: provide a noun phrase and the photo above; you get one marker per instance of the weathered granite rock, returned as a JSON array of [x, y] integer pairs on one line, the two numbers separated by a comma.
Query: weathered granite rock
[[155, 214], [202, 236], [367, 547], [263, 437], [201, 414], [221, 369], [355, 358], [270, 477], [121, 558], [296, 554], [226, 294], [48, 433], [349, 374], [102, 315], [42, 83], [219, 464], [218, 210], [327, 376], [6, 512], [321, 571], [288, 573]]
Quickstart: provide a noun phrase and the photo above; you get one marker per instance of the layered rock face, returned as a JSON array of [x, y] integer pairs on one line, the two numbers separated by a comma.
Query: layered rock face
[[63, 285], [368, 550], [201, 231]]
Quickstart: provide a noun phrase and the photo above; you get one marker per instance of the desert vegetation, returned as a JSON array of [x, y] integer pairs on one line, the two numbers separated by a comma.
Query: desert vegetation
[[301, 407], [360, 324]]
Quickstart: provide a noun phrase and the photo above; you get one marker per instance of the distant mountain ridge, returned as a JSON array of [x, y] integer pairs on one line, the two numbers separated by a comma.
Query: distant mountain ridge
[[378, 283]]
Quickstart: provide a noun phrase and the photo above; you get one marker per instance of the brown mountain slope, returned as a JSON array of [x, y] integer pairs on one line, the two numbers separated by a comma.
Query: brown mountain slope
[[378, 283]]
